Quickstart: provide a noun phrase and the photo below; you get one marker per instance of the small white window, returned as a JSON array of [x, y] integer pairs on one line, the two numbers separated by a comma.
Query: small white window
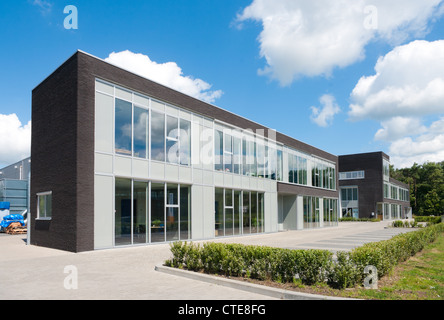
[[44, 205]]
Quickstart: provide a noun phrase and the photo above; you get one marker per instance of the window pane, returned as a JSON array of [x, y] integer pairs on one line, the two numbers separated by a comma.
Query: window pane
[[229, 221], [172, 224], [228, 153], [185, 213], [172, 194], [157, 212], [279, 165], [140, 212], [246, 213], [157, 136], [236, 155], [172, 142], [185, 142], [219, 212], [140, 133], [123, 127], [122, 220], [355, 194], [228, 198], [237, 212], [218, 150], [260, 212], [253, 206]]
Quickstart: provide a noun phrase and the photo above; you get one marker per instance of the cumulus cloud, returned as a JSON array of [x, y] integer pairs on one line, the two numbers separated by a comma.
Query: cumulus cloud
[[312, 38], [168, 74], [323, 116], [15, 142], [407, 87]]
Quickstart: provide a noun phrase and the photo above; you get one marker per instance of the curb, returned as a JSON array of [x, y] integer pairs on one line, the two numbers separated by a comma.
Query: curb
[[250, 287]]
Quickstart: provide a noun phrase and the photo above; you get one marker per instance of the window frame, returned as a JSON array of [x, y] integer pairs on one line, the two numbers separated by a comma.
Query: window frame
[[39, 196]]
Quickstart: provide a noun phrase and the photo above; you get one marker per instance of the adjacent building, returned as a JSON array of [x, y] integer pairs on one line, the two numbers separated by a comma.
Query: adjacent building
[[120, 160], [367, 190], [14, 186]]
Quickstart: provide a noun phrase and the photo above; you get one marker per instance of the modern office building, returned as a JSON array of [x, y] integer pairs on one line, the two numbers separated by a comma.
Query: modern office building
[[367, 190], [120, 160]]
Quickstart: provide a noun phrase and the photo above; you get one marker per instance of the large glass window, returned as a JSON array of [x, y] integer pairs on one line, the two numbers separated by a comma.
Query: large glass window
[[311, 212], [330, 212], [228, 153], [123, 127], [185, 213], [219, 212], [141, 133], [246, 218], [237, 159], [172, 212], [157, 136]]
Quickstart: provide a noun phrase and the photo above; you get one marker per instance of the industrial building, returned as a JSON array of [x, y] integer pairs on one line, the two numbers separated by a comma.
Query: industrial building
[[120, 160], [14, 186]]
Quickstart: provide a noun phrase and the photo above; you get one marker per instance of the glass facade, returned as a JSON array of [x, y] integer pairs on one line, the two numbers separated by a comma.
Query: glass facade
[[147, 140], [166, 209], [238, 212]]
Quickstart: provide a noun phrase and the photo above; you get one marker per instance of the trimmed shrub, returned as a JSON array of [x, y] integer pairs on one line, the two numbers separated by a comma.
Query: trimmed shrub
[[310, 266]]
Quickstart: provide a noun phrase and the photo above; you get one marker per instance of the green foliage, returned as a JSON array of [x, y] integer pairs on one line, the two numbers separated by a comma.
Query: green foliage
[[348, 219], [426, 187], [305, 266]]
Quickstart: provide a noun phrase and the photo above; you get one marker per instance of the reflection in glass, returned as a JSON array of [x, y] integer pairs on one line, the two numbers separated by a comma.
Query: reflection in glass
[[185, 142], [140, 133], [157, 136], [185, 213], [122, 212], [246, 213], [140, 206], [123, 127], [219, 212], [157, 212]]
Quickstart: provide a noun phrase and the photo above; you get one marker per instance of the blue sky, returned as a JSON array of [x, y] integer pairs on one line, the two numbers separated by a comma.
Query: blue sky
[[273, 61]]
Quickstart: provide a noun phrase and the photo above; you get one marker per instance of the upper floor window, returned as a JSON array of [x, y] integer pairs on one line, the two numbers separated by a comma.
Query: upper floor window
[[352, 175]]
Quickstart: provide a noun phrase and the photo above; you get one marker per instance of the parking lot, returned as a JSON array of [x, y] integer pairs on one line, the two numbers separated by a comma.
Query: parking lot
[[30, 272]]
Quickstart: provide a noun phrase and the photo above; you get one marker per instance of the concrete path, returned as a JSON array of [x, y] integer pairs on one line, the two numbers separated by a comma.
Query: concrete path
[[30, 272]]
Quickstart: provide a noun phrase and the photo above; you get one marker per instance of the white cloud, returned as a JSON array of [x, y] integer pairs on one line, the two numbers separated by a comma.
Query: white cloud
[[323, 117], [44, 6], [407, 87], [15, 142], [312, 38], [168, 74], [409, 81]]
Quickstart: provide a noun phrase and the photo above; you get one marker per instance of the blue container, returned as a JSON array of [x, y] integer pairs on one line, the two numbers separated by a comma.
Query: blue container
[[5, 205]]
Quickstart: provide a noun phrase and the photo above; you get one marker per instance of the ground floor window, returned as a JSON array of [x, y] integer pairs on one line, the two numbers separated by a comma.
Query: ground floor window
[[238, 212], [311, 212], [330, 212], [149, 212], [44, 205]]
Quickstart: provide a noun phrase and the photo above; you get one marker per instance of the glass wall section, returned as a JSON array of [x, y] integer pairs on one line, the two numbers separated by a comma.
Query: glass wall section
[[386, 169], [330, 212], [237, 158], [157, 212], [218, 150], [140, 211], [172, 140], [185, 213], [260, 153], [246, 218], [157, 136], [253, 212], [311, 212], [185, 142], [172, 212], [386, 211], [228, 152], [237, 217], [238, 212], [141, 132], [219, 212], [123, 209], [123, 127], [229, 212], [279, 165]]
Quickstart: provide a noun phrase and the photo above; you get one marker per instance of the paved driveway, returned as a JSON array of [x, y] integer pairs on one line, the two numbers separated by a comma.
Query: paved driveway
[[29, 272]]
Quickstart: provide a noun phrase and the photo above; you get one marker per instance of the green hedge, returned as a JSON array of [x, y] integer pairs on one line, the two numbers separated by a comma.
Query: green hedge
[[428, 219], [348, 219], [310, 266]]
